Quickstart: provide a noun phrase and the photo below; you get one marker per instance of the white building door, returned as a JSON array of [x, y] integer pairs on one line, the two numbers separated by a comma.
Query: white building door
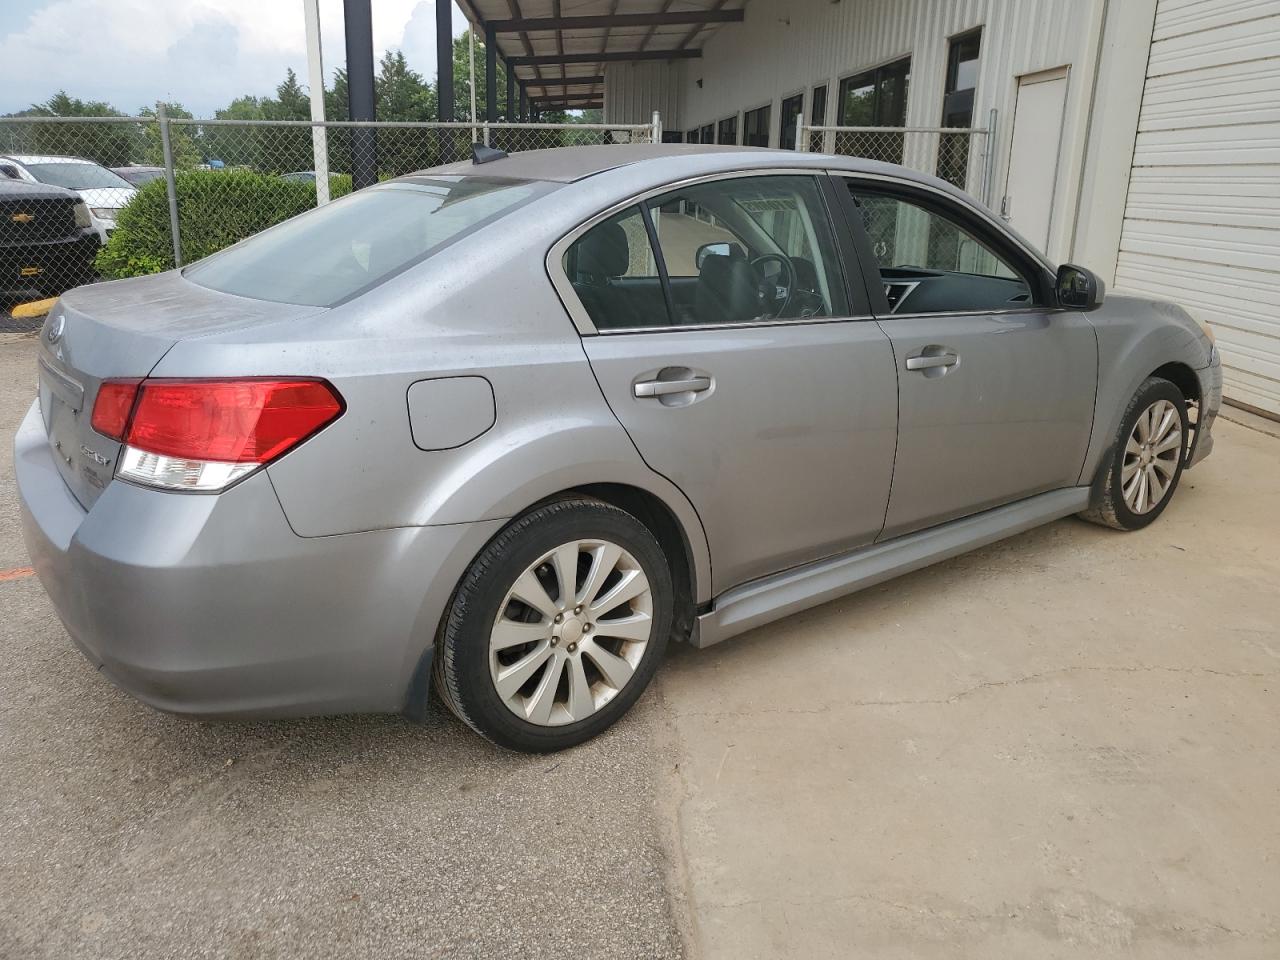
[[1202, 218], [1033, 155]]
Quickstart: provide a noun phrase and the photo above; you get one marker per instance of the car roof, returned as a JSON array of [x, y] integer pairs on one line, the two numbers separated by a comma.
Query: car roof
[[45, 158], [567, 164]]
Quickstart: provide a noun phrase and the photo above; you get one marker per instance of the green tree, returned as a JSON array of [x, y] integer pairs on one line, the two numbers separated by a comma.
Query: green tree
[[461, 80], [111, 144], [183, 137]]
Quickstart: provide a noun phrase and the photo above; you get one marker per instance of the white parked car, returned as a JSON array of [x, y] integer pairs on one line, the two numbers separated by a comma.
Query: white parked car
[[103, 191]]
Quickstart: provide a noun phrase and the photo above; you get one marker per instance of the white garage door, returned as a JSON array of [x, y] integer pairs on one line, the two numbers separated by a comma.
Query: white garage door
[[1202, 221]]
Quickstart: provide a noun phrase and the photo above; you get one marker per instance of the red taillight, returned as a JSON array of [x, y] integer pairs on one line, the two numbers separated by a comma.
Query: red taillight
[[230, 421], [112, 407]]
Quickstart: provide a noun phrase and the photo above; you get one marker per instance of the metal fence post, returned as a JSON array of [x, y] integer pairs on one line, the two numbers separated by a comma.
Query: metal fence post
[[657, 127], [802, 138], [170, 185], [988, 159]]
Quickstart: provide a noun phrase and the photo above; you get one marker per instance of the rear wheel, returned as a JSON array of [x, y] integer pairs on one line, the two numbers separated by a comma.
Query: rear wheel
[[557, 627], [1146, 461]]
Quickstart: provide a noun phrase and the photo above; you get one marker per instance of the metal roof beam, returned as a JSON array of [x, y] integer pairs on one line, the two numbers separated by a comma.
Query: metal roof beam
[[620, 56], [608, 21]]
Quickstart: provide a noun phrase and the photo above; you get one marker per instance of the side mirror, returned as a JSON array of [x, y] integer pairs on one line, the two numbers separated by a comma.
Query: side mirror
[[1078, 288]]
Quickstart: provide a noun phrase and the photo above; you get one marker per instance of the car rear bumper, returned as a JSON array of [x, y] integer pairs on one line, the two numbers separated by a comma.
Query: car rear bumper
[[1210, 404], [211, 605]]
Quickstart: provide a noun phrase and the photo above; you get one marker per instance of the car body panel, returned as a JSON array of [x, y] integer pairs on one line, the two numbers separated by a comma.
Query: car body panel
[[1011, 419], [796, 415]]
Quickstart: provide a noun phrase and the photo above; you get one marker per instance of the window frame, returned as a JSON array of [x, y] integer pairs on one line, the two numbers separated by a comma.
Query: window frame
[[1037, 268], [735, 119], [767, 110], [782, 118], [874, 72], [847, 262]]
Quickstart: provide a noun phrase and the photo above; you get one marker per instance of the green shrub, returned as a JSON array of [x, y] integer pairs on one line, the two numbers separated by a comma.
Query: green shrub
[[216, 208]]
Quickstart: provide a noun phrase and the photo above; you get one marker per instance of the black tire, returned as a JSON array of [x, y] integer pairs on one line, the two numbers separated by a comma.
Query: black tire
[[461, 668], [1109, 508]]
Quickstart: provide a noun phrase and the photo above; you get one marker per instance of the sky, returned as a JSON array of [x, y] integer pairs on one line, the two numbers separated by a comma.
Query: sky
[[200, 53]]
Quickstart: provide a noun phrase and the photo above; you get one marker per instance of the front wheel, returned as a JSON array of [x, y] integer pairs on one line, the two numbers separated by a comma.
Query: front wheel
[[557, 627], [1146, 461]]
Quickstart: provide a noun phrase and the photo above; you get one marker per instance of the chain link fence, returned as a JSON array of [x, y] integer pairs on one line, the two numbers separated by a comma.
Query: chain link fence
[[109, 197], [959, 155]]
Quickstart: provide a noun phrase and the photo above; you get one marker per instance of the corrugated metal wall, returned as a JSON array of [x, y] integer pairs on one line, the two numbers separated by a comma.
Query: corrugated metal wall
[[632, 91], [1202, 219], [790, 46]]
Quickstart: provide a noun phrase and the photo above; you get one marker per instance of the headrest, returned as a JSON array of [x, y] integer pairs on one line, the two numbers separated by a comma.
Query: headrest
[[603, 252]]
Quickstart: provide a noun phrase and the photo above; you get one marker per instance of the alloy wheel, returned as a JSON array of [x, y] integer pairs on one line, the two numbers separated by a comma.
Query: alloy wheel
[[1151, 456], [570, 632]]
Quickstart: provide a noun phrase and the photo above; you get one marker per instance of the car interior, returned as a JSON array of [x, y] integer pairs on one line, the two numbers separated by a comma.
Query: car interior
[[732, 253]]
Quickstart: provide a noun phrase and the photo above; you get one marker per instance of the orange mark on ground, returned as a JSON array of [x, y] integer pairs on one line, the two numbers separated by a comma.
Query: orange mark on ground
[[17, 573]]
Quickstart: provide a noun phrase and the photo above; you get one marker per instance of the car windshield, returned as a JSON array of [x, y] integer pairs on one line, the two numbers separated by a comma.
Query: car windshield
[[344, 248], [76, 176]]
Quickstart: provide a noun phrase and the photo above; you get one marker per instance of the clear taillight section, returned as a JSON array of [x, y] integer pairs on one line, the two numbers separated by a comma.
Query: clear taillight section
[[207, 434]]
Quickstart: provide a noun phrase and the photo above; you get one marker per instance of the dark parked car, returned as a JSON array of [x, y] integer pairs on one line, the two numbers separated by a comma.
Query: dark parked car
[[46, 238], [139, 175]]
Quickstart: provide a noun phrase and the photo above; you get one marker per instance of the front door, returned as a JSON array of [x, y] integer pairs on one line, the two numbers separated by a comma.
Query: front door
[[996, 386], [739, 375]]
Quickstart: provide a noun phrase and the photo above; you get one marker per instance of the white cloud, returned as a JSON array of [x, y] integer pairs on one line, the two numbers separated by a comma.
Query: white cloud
[[202, 53]]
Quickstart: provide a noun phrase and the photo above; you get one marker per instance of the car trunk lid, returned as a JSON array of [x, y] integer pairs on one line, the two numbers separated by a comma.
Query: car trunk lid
[[122, 330]]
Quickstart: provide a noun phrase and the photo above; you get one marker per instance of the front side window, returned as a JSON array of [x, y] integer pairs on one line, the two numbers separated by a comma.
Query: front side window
[[337, 251], [875, 98], [740, 250], [929, 263]]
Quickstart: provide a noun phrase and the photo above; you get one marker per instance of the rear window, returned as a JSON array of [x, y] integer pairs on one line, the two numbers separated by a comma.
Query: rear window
[[346, 247]]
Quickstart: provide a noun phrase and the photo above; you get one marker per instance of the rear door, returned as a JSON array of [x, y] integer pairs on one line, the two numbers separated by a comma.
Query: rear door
[[995, 385], [755, 384]]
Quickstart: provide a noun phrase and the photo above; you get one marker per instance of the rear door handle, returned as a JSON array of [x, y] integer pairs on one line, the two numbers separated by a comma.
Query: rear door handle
[[663, 388], [923, 361]]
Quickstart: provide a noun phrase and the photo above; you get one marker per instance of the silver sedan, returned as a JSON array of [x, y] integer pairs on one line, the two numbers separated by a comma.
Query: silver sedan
[[508, 427]]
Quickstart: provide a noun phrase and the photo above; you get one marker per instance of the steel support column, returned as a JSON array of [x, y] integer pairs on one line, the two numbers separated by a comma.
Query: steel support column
[[358, 20], [512, 105], [444, 59], [490, 74]]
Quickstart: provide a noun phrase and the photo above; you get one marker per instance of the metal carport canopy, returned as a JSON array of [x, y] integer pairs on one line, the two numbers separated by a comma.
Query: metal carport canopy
[[558, 49]]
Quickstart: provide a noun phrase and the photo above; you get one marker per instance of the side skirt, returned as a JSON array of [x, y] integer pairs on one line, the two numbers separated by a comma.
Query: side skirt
[[771, 598]]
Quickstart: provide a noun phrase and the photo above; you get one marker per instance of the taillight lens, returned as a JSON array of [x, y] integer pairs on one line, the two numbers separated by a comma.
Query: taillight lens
[[112, 407], [206, 434]]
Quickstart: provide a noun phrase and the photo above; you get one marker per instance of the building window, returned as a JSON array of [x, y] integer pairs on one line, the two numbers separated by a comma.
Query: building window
[[875, 98], [672, 136], [727, 130], [755, 127], [708, 133], [792, 111], [818, 116], [957, 106]]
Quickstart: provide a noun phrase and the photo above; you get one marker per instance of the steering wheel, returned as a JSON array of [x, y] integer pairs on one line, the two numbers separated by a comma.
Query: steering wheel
[[771, 291]]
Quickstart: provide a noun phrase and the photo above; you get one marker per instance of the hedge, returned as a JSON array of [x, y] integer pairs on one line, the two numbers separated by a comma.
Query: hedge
[[216, 208]]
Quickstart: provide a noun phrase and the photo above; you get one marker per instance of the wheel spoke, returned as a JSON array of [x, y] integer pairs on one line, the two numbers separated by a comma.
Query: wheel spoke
[[1154, 485], [529, 590], [1133, 447], [510, 679], [1167, 467], [544, 696], [637, 626], [631, 585], [1171, 442], [565, 563], [603, 559], [1142, 492], [1143, 426], [509, 633], [1166, 422], [1128, 470], [1131, 488], [615, 670], [581, 703]]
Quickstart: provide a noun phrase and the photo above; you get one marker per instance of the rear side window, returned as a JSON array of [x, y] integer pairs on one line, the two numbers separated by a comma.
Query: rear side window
[[346, 247], [731, 251]]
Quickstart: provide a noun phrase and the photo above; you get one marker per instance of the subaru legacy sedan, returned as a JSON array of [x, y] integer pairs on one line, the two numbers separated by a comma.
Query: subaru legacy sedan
[[508, 427]]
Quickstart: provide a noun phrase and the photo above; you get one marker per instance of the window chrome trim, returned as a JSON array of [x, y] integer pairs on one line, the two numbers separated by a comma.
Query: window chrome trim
[[554, 260]]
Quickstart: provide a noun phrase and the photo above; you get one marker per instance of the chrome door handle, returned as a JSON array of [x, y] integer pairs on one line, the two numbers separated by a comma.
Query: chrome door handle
[[923, 361], [663, 388]]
